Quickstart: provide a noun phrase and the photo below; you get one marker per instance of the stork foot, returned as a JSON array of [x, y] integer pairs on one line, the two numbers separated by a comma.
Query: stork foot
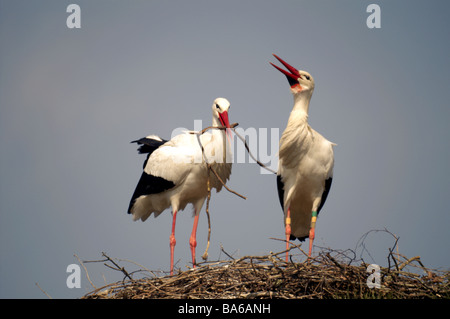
[[312, 232], [173, 241], [193, 239], [311, 240], [288, 233], [193, 244]]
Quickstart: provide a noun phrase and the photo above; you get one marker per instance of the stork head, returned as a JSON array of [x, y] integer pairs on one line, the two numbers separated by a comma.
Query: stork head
[[300, 81], [220, 113]]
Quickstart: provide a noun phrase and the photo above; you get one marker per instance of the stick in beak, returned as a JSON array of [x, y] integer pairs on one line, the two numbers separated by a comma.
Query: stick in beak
[[223, 117]]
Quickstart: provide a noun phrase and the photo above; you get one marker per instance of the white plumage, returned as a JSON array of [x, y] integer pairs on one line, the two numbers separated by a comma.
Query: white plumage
[[306, 163], [176, 174]]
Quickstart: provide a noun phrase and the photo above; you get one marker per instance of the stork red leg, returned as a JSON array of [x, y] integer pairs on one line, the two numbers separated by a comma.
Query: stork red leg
[[193, 240], [312, 232], [288, 232], [173, 242]]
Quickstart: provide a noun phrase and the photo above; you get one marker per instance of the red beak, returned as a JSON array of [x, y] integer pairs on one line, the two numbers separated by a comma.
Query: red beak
[[293, 73], [223, 118]]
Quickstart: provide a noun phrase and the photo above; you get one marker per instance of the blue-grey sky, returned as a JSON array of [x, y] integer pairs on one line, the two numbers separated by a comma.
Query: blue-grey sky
[[71, 100]]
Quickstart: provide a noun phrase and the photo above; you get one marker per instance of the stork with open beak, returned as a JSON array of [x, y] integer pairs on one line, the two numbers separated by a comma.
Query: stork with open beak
[[306, 163], [176, 174]]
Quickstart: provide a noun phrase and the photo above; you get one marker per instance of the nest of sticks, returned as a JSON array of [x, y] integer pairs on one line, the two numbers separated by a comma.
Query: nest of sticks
[[330, 275]]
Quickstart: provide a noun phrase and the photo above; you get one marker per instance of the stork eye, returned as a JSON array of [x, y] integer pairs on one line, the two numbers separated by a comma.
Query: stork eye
[[217, 106], [307, 77]]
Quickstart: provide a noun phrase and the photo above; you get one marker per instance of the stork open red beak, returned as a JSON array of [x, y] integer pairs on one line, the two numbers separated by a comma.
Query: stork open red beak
[[223, 118], [293, 75]]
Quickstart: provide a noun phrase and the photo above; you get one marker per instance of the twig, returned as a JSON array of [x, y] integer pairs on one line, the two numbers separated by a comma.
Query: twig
[[205, 254], [291, 246], [391, 250], [417, 258], [361, 241], [229, 256], [206, 160], [43, 291], [211, 169], [393, 258], [213, 127], [334, 261], [250, 153], [85, 270], [122, 269], [224, 185], [139, 265]]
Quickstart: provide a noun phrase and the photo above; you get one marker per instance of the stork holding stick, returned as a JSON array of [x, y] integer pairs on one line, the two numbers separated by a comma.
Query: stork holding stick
[[176, 172]]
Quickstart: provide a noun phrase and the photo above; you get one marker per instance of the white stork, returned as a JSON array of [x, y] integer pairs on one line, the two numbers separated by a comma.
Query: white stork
[[175, 173], [306, 163]]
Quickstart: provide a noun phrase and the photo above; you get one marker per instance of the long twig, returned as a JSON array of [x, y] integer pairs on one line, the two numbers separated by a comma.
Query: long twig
[[229, 256], [206, 160], [224, 185], [85, 270], [250, 153], [212, 128], [233, 127], [44, 291], [211, 169], [205, 254]]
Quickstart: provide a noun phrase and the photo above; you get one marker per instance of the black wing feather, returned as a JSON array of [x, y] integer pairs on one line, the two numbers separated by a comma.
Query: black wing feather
[[325, 193], [148, 145], [149, 184], [280, 186]]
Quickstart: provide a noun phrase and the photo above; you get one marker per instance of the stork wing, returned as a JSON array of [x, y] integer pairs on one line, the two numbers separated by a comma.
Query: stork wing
[[149, 184], [325, 193], [148, 145], [173, 160]]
